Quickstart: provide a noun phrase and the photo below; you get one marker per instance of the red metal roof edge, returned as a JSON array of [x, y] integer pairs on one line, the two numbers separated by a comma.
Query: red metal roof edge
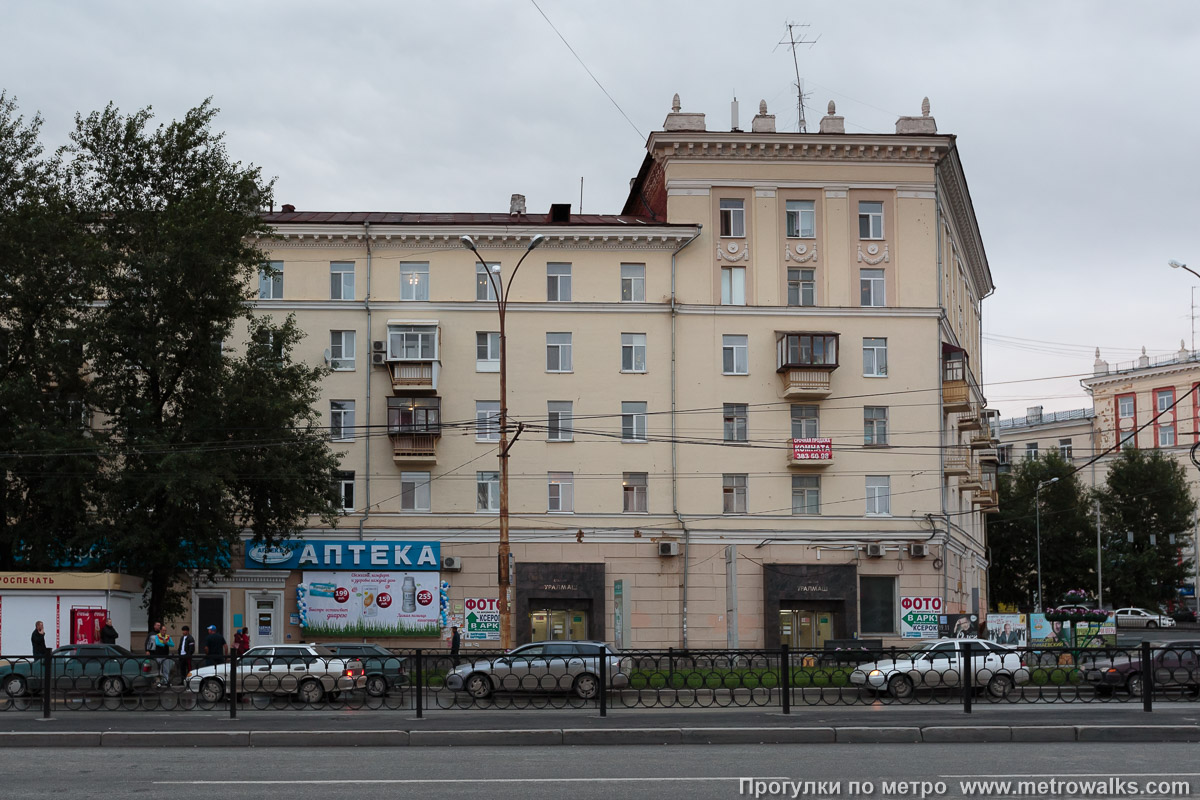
[[456, 218]]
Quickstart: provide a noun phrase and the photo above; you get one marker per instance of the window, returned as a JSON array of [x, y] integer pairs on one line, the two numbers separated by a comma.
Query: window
[[266, 346], [1163, 400], [633, 422], [341, 350], [875, 358], [736, 422], [1125, 406], [344, 485], [341, 420], [879, 494], [1164, 427], [633, 283], [487, 491], [807, 350], [341, 280], [560, 488], [806, 494], [802, 287], [870, 220], [878, 601], [1166, 435], [412, 342], [484, 287], [414, 491], [487, 420], [733, 494], [1064, 448], [806, 422], [735, 354], [633, 492], [875, 425], [1004, 454], [733, 217], [871, 289], [558, 283], [414, 415], [633, 352], [558, 352], [487, 351], [559, 425], [1031, 450], [414, 281], [1127, 419], [733, 286], [270, 281], [801, 219]]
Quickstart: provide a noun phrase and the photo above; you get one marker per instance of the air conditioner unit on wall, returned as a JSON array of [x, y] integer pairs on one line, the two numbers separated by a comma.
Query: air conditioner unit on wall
[[379, 346], [668, 548], [918, 550], [379, 359], [452, 563], [875, 550]]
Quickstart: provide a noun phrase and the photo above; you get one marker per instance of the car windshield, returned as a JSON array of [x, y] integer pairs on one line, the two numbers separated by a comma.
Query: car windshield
[[121, 651], [322, 651]]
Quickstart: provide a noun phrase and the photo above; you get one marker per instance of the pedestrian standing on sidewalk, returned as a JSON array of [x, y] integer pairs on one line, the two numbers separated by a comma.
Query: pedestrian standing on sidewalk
[[108, 634], [187, 647], [215, 648], [241, 642], [455, 640], [38, 639], [162, 650], [150, 644]]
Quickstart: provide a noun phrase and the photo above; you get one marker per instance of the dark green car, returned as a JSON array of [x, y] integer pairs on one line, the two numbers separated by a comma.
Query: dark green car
[[106, 668]]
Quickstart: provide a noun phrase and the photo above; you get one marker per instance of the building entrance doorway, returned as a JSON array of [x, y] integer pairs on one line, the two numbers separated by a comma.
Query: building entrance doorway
[[807, 628], [552, 624]]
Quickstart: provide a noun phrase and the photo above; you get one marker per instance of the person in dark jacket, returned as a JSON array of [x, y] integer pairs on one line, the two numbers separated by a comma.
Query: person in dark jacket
[[187, 648], [38, 639], [108, 634], [455, 640]]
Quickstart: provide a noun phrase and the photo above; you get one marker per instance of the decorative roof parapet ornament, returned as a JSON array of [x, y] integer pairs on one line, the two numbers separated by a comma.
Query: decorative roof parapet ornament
[[763, 122], [831, 123], [1100, 367], [679, 121], [923, 124]]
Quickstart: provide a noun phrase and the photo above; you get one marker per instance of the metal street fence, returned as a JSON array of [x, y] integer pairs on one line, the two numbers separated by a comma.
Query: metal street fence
[[580, 675]]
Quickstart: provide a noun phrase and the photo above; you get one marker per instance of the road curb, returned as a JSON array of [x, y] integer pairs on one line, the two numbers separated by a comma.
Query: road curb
[[1137, 733], [758, 736], [323, 738], [622, 736], [967, 733], [50, 739], [877, 735], [1043, 733], [175, 739], [483, 738]]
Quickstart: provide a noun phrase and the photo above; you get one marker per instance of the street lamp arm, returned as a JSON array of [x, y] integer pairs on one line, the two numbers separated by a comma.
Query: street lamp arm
[[534, 243], [1177, 265]]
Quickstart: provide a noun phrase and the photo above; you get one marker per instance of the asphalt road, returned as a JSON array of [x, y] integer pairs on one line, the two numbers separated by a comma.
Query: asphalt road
[[578, 773]]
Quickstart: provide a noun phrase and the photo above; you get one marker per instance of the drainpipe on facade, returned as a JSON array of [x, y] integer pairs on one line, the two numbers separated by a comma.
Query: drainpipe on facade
[[687, 539], [367, 370]]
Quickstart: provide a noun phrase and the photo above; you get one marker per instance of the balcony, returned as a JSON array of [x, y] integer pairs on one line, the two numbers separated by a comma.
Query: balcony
[[810, 453], [982, 439], [957, 461], [410, 376], [972, 481], [956, 383], [800, 382], [969, 420], [805, 362], [986, 497], [414, 426], [413, 448], [988, 455]]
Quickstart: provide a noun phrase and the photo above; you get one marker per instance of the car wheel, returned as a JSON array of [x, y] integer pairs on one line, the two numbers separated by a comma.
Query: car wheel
[[478, 686], [1134, 685], [1000, 686], [900, 687], [376, 686], [14, 686], [311, 691], [112, 686], [586, 686], [212, 690], [1151, 624]]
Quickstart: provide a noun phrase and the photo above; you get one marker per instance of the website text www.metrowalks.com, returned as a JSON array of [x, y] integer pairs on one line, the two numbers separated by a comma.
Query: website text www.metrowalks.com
[[1091, 786]]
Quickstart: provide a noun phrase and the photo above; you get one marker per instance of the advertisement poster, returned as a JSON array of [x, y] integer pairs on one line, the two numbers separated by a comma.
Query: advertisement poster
[[369, 604], [1046, 634], [958, 626], [1096, 634], [482, 618], [919, 617], [1008, 629]]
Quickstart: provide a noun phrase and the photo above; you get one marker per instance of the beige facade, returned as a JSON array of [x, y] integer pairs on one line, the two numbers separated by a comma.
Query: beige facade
[[758, 288]]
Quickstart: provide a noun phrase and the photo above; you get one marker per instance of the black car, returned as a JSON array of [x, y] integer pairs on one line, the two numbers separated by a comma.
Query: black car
[[386, 671]]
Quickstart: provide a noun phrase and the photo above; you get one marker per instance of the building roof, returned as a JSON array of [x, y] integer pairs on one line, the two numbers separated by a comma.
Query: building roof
[[464, 219]]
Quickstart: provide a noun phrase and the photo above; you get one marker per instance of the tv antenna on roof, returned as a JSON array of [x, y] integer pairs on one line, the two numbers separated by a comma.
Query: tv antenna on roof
[[792, 42]]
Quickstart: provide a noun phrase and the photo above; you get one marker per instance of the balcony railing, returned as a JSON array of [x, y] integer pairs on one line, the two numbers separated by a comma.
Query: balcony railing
[[972, 481], [986, 497], [409, 375], [810, 452], [958, 460], [805, 381], [969, 420], [413, 447]]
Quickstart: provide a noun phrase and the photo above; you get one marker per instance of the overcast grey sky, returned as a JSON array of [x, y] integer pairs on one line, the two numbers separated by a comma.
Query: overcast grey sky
[[1077, 121]]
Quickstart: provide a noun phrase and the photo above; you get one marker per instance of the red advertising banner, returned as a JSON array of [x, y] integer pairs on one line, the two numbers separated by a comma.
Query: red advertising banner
[[812, 449]]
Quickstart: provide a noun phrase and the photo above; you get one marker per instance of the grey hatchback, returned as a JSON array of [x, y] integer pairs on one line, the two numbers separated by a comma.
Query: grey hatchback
[[385, 670], [541, 667]]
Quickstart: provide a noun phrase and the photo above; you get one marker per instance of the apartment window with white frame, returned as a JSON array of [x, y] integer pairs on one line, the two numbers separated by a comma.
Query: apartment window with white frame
[[802, 287], [559, 425], [485, 289], [414, 491], [735, 354], [560, 491], [733, 217], [1031, 451], [870, 220], [270, 281], [801, 219], [344, 484], [806, 495], [487, 351], [341, 420], [733, 493], [1163, 400], [1064, 449], [341, 350], [414, 281], [558, 352], [875, 425], [412, 342], [633, 492], [879, 494], [871, 288], [1166, 435], [633, 352], [1125, 406], [487, 491], [806, 422], [558, 283], [1004, 454], [633, 422], [487, 420], [736, 422], [875, 358], [341, 280], [633, 283], [733, 286]]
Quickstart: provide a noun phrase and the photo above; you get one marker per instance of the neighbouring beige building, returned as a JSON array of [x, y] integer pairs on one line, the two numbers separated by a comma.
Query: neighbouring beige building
[[749, 401]]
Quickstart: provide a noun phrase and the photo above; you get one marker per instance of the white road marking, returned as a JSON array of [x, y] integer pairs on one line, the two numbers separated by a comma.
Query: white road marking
[[450, 780]]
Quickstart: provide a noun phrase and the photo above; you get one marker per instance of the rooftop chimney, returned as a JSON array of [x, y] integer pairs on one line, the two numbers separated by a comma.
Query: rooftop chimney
[[763, 122], [922, 124], [1033, 415], [560, 212], [831, 123], [516, 206], [679, 121], [287, 208]]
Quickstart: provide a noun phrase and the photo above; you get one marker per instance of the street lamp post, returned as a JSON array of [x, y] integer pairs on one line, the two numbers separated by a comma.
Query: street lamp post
[[1037, 510], [1173, 264], [504, 578]]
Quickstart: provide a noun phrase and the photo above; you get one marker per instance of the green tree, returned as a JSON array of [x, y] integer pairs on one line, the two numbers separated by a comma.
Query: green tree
[[1145, 495], [1067, 534]]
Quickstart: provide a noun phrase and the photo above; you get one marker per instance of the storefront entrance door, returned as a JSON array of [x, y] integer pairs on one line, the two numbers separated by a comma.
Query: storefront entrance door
[[264, 625], [806, 629], [549, 624]]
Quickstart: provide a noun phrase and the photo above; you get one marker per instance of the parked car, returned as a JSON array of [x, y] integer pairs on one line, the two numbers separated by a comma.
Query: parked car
[[541, 667], [1175, 664], [940, 663], [386, 671], [1141, 618], [1183, 614], [307, 671], [107, 668]]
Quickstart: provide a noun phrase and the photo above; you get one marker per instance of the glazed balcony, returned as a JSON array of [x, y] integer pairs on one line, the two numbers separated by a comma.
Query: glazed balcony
[[414, 426], [814, 453], [805, 362]]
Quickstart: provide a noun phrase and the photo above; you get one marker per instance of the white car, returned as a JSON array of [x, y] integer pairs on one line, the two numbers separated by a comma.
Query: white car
[[305, 671], [940, 664], [541, 667], [1141, 618]]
